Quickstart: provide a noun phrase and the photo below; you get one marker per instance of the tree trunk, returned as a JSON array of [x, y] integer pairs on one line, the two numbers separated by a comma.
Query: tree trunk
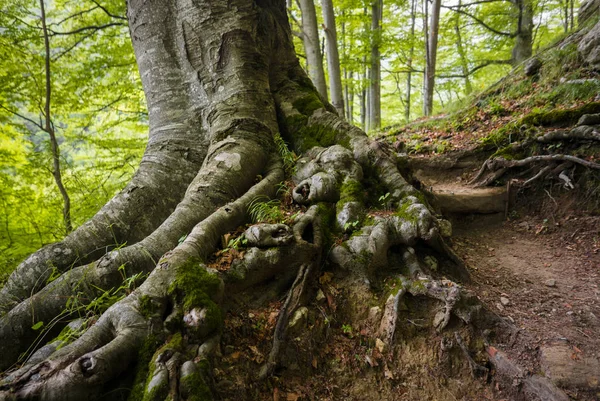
[[431, 57], [333, 57], [464, 64], [375, 71], [409, 63], [312, 46], [49, 128], [228, 102], [523, 48]]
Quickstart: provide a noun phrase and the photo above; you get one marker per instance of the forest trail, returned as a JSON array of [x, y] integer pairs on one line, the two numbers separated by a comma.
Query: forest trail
[[537, 268]]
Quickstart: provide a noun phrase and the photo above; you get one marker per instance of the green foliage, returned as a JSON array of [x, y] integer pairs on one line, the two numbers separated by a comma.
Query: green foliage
[[265, 210], [97, 111]]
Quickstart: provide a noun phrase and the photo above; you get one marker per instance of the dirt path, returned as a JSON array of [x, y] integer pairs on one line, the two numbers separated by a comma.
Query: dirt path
[[545, 276]]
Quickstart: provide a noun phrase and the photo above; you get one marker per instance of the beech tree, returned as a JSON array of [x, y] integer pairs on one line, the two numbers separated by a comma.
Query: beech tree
[[229, 107]]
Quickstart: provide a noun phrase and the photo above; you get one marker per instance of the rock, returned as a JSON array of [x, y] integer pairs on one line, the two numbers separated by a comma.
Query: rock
[[320, 296], [504, 301], [298, 321], [550, 282], [589, 47], [568, 366], [375, 314], [380, 345], [438, 319], [589, 119], [532, 67], [587, 10]]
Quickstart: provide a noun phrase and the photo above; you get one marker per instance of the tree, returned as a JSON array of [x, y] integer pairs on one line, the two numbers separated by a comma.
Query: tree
[[226, 95], [333, 57], [375, 71], [431, 57], [312, 46]]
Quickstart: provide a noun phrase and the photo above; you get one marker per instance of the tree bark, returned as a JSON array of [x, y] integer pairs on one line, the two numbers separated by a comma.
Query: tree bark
[[409, 64], [312, 46], [375, 70], [523, 47], [431, 58], [222, 81], [333, 57], [464, 64]]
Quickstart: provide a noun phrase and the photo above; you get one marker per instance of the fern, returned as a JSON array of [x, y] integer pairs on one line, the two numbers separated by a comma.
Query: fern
[[262, 209]]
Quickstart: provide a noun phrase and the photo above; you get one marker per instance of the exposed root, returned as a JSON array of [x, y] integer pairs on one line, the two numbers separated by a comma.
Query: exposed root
[[477, 370], [499, 166], [533, 387]]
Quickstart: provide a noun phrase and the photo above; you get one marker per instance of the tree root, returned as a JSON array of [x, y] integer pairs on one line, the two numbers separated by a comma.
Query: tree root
[[499, 166]]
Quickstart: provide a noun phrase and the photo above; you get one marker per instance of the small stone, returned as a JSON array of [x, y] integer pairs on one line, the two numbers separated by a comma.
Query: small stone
[[569, 313], [550, 282], [320, 296], [380, 345], [374, 313], [438, 319], [504, 301], [532, 67], [500, 307], [299, 319]]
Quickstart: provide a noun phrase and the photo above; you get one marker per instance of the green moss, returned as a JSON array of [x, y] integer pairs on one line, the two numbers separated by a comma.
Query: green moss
[[146, 307], [196, 387], [194, 287], [560, 116], [142, 368], [308, 103]]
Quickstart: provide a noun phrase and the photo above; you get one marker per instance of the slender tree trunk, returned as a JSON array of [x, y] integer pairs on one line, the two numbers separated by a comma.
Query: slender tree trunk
[[523, 47], [409, 63], [350, 101], [431, 57], [375, 71], [464, 64], [312, 46], [49, 128], [333, 57]]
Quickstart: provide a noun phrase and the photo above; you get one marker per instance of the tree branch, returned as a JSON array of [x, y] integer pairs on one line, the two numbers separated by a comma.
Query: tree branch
[[87, 28], [475, 69], [108, 12], [21, 116], [483, 24]]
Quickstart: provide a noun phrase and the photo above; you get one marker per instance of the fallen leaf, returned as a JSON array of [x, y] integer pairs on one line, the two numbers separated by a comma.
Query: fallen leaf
[[293, 397]]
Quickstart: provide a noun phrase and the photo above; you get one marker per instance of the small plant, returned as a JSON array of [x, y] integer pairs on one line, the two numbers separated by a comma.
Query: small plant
[[289, 157], [264, 210], [347, 329], [351, 225]]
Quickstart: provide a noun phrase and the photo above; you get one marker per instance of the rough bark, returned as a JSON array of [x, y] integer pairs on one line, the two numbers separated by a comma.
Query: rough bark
[[333, 57], [312, 46], [431, 49], [523, 47], [375, 70], [222, 80]]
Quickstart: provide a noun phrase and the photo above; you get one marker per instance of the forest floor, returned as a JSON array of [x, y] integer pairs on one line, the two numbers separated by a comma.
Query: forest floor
[[538, 267], [542, 273]]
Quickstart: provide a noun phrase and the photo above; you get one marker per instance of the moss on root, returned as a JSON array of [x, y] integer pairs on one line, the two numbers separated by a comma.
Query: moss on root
[[196, 387], [194, 287], [143, 368]]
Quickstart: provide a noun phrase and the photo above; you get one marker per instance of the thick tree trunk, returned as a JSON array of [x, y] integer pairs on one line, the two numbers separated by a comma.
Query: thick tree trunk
[[523, 48], [375, 71], [222, 83], [333, 57], [312, 46], [431, 48]]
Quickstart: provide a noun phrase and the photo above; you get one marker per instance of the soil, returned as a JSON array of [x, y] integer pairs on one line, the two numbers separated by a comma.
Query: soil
[[549, 271], [537, 266]]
